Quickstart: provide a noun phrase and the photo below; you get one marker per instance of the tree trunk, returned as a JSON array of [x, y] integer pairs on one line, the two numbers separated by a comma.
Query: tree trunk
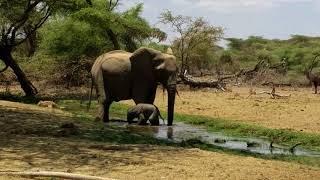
[[31, 40], [113, 39], [26, 85], [32, 44]]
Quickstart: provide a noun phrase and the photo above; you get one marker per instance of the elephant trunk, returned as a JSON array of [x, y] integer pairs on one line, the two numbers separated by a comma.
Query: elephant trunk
[[171, 89]]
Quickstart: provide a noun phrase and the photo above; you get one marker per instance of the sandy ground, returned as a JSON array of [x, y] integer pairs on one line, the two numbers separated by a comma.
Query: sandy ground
[[142, 161], [40, 150], [301, 111]]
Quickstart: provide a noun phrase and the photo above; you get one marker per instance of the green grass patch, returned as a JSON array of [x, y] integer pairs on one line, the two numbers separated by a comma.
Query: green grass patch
[[118, 135], [280, 136], [195, 143]]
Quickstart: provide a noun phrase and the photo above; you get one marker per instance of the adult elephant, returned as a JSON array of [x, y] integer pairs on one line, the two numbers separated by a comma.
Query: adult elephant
[[120, 75]]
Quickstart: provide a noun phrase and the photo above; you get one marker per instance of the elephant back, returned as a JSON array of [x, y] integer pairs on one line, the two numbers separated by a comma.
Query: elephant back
[[117, 54]]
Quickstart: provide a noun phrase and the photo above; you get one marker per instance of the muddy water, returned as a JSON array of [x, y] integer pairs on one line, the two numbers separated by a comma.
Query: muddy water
[[182, 132]]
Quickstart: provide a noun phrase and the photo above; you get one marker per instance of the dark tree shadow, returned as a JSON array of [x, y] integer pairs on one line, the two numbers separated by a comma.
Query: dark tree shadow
[[33, 140]]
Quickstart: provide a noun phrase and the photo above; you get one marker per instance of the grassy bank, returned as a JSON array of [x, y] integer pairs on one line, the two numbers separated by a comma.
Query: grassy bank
[[94, 131], [285, 137], [280, 136]]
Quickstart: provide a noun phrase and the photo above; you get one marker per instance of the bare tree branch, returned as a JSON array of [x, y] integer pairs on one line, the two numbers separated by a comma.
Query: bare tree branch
[[36, 26], [16, 26], [112, 4]]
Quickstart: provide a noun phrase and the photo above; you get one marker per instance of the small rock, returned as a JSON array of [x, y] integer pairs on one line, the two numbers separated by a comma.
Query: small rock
[[252, 144], [48, 104], [68, 125], [67, 129], [220, 141]]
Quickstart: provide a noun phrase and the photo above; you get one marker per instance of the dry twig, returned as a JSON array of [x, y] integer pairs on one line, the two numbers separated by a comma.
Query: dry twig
[[51, 174]]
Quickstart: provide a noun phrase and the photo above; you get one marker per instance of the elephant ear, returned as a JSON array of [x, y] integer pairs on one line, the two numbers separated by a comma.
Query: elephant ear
[[144, 59]]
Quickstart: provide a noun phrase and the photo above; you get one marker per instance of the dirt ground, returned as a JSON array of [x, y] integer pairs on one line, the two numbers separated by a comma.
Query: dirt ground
[[32, 147], [300, 111]]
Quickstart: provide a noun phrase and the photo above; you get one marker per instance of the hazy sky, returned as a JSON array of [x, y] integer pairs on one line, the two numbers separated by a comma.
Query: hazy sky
[[242, 18]]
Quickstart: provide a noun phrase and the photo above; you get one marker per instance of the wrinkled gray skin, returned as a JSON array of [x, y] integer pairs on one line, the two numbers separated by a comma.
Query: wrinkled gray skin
[[120, 75], [144, 113]]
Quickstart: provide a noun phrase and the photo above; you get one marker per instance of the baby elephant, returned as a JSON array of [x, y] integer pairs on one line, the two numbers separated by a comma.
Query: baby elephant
[[144, 113]]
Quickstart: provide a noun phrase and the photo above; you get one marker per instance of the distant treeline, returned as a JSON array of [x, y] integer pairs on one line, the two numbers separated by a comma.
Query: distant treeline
[[60, 41]]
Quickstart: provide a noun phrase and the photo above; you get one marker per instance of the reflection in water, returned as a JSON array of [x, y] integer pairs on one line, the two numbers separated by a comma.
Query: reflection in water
[[170, 132], [181, 132]]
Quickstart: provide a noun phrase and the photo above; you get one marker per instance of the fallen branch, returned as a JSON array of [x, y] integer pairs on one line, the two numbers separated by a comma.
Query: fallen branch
[[193, 83], [273, 93], [245, 72], [276, 84], [51, 174]]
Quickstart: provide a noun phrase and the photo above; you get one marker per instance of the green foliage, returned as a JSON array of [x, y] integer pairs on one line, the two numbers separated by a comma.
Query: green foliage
[[18, 15], [294, 54], [226, 58], [84, 32], [71, 39], [196, 42], [77, 37], [160, 47], [132, 24], [280, 136]]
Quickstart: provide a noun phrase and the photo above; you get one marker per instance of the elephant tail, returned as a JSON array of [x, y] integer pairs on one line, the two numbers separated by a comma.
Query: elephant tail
[[158, 111], [177, 92], [90, 95]]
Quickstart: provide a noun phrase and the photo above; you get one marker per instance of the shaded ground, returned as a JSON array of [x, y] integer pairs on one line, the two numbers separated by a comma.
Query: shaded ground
[[299, 112], [31, 139]]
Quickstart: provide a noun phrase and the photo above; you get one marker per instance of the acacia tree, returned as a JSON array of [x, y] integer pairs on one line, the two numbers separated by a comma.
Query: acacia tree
[[128, 27], [80, 36], [193, 33], [135, 29], [19, 20], [15, 16], [129, 30]]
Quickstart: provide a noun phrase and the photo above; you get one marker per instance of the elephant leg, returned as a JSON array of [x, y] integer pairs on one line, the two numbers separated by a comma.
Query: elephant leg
[[103, 110], [154, 118], [315, 87], [142, 120], [101, 95], [100, 113], [106, 110]]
